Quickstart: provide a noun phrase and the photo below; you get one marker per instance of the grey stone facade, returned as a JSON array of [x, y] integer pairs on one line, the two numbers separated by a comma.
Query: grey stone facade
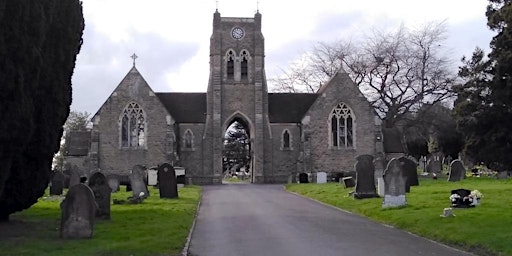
[[187, 129]]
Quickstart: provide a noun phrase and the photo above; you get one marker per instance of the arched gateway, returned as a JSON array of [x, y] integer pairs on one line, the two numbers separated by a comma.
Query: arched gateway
[[290, 133]]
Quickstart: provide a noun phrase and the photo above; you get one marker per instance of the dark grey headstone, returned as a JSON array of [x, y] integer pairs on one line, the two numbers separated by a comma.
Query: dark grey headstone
[[137, 183], [57, 185], [102, 191], [394, 184], [457, 171], [78, 213], [434, 163], [348, 182], [410, 172], [167, 182], [365, 182], [303, 178]]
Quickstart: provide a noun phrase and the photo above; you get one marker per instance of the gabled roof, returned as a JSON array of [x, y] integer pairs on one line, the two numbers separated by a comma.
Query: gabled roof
[[289, 107], [77, 143], [133, 76], [184, 107]]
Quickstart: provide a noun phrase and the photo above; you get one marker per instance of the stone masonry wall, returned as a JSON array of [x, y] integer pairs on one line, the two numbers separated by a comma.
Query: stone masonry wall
[[316, 127], [112, 158]]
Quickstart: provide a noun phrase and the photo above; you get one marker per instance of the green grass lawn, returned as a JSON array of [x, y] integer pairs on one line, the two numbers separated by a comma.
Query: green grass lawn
[[484, 230], [155, 227]]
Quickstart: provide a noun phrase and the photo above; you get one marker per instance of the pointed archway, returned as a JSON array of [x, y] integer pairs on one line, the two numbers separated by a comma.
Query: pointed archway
[[237, 153]]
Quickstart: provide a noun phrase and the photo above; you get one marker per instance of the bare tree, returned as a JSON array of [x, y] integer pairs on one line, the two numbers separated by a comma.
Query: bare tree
[[398, 71]]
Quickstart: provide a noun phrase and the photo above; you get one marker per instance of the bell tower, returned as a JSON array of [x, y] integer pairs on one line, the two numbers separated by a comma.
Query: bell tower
[[237, 89]]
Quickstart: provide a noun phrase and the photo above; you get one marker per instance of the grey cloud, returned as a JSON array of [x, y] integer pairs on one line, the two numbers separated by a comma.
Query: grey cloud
[[95, 75]]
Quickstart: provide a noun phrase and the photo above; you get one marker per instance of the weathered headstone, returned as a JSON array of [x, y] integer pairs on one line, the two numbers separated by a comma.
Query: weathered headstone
[[181, 176], [75, 176], [137, 183], [167, 182], [380, 165], [113, 183], [57, 183], [152, 177], [394, 185], [410, 172], [434, 164], [321, 177], [348, 182], [78, 211], [365, 183], [423, 163], [303, 178], [102, 191], [457, 171]]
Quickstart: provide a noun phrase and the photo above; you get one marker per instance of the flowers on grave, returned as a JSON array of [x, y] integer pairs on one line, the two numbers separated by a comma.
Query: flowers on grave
[[476, 194], [454, 198], [465, 198]]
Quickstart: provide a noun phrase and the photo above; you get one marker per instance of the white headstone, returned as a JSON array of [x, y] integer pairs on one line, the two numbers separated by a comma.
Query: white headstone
[[380, 186], [321, 177], [152, 177]]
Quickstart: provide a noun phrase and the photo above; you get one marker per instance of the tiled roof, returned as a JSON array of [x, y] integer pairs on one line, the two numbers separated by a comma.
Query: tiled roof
[[185, 107], [289, 107]]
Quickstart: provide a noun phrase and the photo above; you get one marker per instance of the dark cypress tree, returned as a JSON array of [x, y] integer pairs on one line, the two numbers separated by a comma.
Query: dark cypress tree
[[39, 42], [484, 103]]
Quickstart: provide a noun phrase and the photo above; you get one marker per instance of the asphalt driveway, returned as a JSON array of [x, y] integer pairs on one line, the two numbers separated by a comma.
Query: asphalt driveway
[[249, 219]]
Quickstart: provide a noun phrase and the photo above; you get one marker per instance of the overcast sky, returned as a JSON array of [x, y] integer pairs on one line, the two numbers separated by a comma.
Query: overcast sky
[[171, 37]]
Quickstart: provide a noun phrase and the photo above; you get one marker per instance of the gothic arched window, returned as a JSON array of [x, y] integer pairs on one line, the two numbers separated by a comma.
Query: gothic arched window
[[188, 139], [286, 140], [341, 127], [133, 126], [244, 64], [230, 64]]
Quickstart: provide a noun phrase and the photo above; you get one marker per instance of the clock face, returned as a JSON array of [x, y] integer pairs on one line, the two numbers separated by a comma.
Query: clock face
[[237, 33]]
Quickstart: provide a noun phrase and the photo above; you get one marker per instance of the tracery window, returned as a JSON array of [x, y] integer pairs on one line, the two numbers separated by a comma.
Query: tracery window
[[342, 127], [230, 64], [133, 126]]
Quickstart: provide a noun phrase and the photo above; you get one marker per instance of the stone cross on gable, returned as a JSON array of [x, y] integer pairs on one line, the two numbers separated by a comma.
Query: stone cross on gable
[[134, 56]]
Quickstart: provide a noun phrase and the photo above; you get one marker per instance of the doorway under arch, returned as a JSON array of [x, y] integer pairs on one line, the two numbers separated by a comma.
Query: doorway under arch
[[237, 164]]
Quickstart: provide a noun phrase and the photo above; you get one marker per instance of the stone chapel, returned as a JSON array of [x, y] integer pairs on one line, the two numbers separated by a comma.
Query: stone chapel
[[290, 133]]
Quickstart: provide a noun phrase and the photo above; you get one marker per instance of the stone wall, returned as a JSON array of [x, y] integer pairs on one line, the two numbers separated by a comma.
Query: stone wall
[[316, 127], [111, 156]]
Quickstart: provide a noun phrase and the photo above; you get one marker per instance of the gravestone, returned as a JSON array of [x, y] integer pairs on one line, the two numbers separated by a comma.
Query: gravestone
[[113, 183], [410, 172], [181, 178], [434, 164], [348, 182], [460, 198], [77, 213], [379, 164], [457, 171], [102, 191], [321, 177], [365, 183], [167, 182], [57, 183], [394, 184], [152, 177], [423, 163], [75, 176], [303, 178], [137, 183]]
